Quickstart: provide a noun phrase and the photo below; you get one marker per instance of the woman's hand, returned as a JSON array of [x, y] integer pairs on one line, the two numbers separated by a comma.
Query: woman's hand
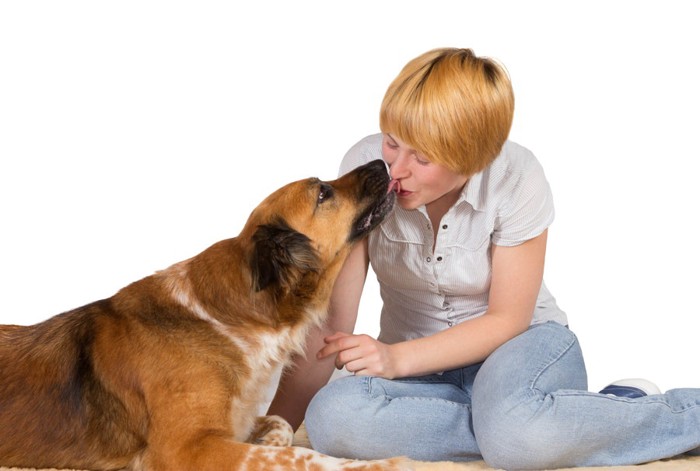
[[361, 355], [516, 280]]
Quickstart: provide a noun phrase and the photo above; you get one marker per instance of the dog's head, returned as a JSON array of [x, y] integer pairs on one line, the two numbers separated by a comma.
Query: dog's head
[[307, 227]]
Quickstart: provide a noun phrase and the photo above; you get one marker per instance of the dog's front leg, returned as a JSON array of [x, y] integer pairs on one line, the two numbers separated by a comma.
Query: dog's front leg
[[271, 430]]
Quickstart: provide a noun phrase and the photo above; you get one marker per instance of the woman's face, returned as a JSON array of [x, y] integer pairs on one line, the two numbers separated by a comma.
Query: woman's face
[[421, 182]]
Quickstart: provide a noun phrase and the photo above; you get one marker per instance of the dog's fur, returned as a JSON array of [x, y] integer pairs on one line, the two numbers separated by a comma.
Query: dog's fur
[[168, 373]]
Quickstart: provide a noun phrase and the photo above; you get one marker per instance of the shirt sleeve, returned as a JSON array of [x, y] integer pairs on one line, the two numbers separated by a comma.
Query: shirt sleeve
[[528, 210], [366, 150]]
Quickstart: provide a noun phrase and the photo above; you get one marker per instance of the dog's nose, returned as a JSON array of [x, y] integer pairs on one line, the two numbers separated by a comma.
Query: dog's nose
[[377, 165], [375, 178]]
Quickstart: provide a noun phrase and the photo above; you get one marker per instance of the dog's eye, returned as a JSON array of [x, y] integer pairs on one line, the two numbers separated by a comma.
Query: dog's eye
[[325, 193]]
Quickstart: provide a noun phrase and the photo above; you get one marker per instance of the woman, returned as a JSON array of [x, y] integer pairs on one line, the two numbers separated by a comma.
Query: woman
[[475, 359]]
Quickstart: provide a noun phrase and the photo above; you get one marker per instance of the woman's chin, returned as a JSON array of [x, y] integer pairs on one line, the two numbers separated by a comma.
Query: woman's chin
[[407, 203]]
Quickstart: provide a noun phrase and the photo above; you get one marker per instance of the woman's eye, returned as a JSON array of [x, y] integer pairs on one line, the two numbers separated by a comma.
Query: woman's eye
[[422, 161], [390, 143]]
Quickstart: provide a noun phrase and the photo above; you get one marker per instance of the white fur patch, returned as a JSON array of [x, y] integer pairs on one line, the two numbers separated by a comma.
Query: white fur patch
[[299, 459], [264, 350]]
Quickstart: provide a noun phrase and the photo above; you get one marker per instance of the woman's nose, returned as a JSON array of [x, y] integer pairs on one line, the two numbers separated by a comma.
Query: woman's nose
[[399, 167]]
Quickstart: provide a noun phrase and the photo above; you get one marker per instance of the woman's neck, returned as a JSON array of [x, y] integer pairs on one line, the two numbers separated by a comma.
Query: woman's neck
[[438, 208]]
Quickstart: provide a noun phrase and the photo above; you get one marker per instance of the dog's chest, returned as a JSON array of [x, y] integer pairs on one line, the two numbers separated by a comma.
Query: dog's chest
[[261, 350], [266, 348], [264, 354]]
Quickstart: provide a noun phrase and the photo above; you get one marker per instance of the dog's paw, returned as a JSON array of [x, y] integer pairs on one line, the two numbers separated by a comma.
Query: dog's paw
[[271, 430]]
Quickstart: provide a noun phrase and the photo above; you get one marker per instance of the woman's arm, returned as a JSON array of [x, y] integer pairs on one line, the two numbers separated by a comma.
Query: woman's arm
[[308, 374], [515, 283]]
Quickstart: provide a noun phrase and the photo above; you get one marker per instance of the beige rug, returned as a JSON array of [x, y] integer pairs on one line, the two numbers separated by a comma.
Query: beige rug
[[676, 464]]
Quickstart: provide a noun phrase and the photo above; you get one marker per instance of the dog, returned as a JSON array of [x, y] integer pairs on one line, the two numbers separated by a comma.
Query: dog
[[168, 373]]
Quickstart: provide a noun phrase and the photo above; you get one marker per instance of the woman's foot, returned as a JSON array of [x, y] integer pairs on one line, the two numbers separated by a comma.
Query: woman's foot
[[631, 387]]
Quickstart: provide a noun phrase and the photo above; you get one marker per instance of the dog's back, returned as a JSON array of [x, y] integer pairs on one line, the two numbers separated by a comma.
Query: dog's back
[[47, 372]]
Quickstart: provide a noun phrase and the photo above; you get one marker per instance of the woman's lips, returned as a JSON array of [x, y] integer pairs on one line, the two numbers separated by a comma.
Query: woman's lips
[[394, 185]]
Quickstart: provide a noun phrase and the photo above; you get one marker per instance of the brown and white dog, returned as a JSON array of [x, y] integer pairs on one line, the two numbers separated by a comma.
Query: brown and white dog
[[168, 373]]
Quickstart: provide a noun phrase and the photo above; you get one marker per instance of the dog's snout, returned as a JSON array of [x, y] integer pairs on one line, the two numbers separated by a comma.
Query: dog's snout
[[372, 190], [375, 177], [377, 166]]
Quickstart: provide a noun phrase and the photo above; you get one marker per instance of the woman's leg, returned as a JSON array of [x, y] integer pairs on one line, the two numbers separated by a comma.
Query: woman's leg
[[532, 411], [426, 418]]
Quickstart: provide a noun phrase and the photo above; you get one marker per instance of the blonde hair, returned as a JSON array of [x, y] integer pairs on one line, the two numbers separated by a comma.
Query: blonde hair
[[451, 106]]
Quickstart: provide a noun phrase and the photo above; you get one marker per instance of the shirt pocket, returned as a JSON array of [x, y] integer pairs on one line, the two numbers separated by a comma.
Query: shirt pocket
[[397, 252], [410, 228], [472, 233], [467, 254], [467, 271]]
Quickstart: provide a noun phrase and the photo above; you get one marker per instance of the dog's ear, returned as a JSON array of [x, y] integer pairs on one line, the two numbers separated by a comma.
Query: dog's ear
[[281, 257]]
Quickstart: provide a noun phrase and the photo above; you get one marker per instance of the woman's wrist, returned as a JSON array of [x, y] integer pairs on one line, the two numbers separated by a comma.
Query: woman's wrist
[[400, 360]]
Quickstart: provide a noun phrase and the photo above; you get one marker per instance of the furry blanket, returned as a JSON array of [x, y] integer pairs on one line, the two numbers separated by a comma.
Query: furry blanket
[[676, 464]]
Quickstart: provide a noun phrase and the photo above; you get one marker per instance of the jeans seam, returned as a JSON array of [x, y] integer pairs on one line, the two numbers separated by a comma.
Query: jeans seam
[[369, 392], [554, 360]]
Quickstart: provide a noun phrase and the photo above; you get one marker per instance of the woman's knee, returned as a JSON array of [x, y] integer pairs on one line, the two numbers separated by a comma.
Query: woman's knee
[[331, 415], [545, 358], [511, 403]]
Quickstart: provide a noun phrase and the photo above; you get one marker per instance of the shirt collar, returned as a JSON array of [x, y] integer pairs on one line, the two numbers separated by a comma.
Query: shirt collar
[[472, 193]]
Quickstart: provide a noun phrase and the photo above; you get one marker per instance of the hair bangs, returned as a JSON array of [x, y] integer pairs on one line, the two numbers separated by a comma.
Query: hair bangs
[[453, 107]]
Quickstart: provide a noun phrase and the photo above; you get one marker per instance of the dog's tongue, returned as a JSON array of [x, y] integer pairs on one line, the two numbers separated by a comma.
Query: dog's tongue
[[394, 185]]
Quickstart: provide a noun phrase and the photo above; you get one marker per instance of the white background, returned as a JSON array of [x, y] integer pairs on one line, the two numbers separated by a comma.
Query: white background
[[134, 134]]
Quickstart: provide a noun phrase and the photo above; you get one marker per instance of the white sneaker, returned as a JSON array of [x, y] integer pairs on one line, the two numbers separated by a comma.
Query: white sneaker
[[631, 387]]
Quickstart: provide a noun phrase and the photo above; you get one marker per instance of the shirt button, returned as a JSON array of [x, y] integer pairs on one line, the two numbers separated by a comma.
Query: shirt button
[[428, 259], [449, 324], [439, 259], [444, 226]]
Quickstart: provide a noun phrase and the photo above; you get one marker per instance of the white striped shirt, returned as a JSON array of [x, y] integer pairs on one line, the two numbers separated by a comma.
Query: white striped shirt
[[426, 289]]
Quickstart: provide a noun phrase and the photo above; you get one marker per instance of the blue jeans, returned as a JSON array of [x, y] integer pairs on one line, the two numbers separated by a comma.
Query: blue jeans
[[525, 407]]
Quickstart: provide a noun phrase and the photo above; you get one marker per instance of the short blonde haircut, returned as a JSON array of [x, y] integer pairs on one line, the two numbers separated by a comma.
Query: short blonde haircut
[[451, 106]]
